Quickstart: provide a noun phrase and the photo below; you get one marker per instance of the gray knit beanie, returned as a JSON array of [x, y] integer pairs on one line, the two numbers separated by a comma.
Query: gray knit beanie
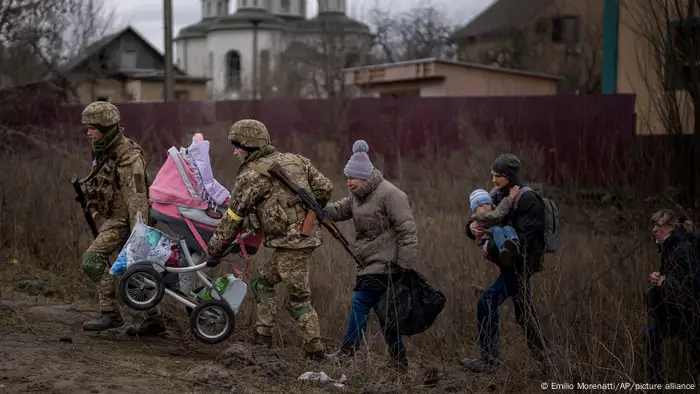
[[359, 166]]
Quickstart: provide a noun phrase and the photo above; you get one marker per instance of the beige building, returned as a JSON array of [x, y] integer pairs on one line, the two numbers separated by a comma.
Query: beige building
[[439, 78], [560, 37], [646, 54], [124, 67]]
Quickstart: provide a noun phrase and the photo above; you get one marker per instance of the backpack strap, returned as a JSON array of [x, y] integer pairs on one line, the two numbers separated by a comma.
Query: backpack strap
[[520, 193]]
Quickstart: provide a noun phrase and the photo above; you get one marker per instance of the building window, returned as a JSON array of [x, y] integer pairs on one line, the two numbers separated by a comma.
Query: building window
[[565, 30], [233, 70], [182, 95], [129, 59], [208, 9], [219, 9], [682, 53], [285, 7]]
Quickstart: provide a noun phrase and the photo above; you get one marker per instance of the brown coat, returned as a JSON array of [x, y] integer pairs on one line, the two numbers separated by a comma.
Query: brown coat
[[384, 225]]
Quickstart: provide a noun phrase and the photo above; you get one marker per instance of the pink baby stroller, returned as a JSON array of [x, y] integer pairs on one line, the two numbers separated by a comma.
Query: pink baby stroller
[[190, 202]]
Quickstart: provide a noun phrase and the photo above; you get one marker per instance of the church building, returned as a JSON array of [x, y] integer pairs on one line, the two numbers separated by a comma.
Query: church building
[[229, 48]]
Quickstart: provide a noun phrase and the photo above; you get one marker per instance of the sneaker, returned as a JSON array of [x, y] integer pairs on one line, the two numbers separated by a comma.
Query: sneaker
[[505, 258], [318, 356], [513, 247], [106, 321], [345, 353]]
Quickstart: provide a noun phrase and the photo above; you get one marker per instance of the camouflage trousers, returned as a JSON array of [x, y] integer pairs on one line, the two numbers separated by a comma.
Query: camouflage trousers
[[96, 264], [291, 267]]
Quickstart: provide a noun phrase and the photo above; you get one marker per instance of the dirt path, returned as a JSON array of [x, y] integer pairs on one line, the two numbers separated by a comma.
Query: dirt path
[[43, 350]]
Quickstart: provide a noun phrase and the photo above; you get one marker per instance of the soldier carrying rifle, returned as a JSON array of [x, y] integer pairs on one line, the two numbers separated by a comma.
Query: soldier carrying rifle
[[117, 189], [271, 206]]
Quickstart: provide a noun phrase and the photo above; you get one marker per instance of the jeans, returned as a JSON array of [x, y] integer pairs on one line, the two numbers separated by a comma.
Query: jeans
[[513, 284], [362, 302], [500, 234]]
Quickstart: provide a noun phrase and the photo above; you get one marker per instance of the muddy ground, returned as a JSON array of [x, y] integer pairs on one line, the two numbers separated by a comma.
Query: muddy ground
[[44, 350]]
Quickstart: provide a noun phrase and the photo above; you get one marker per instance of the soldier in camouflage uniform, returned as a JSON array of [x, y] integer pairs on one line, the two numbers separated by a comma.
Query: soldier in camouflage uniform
[[263, 200], [117, 188]]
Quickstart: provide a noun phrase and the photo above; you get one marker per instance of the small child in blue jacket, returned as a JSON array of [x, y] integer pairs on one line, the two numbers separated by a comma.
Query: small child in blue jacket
[[488, 217]]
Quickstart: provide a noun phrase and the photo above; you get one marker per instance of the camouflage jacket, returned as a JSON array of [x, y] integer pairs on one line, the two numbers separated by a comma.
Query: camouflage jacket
[[263, 199], [117, 188]]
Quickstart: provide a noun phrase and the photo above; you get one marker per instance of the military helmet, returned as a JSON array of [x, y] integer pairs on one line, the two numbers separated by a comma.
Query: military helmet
[[249, 133], [100, 113]]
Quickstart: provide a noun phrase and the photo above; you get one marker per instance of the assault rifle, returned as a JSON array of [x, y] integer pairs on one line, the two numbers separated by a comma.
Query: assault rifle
[[83, 204], [314, 209]]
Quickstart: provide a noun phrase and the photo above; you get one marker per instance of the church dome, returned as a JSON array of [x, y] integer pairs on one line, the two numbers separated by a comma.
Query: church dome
[[196, 30], [332, 22], [244, 18]]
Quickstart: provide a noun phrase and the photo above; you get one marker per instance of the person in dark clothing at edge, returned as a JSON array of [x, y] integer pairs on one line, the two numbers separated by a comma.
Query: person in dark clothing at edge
[[528, 218], [673, 292]]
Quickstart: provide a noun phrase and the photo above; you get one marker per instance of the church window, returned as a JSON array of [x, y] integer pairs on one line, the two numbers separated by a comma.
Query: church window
[[285, 6], [265, 68], [233, 70]]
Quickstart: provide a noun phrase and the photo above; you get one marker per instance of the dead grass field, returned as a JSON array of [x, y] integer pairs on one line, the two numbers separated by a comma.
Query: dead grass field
[[589, 297]]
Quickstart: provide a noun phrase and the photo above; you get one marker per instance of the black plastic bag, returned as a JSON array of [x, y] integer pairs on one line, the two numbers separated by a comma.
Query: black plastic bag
[[412, 304]]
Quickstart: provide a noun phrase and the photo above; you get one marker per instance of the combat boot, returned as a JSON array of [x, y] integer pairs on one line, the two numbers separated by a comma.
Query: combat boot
[[262, 340], [151, 326], [483, 364], [106, 321]]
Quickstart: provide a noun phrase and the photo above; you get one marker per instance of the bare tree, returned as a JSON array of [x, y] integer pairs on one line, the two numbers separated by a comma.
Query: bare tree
[[312, 66], [668, 64], [37, 36], [418, 33]]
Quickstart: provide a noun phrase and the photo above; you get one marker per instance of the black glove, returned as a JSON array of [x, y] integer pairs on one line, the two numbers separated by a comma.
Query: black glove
[[212, 262]]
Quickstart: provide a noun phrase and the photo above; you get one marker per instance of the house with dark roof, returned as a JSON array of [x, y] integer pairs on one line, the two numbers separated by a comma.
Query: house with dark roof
[[559, 37], [123, 67]]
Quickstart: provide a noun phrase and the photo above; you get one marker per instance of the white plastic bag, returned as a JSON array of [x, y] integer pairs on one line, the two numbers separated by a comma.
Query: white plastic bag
[[145, 243]]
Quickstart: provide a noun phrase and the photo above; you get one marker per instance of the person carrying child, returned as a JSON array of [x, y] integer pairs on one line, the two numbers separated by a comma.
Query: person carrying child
[[489, 217]]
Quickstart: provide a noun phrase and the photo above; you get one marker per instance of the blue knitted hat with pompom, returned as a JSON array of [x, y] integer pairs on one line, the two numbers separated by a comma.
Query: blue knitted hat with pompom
[[359, 166]]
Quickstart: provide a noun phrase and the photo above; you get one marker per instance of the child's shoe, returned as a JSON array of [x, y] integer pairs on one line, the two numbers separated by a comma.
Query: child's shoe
[[513, 248], [505, 258]]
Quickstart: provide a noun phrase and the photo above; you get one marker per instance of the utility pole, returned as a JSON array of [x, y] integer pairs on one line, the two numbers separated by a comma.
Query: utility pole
[[256, 22], [169, 88]]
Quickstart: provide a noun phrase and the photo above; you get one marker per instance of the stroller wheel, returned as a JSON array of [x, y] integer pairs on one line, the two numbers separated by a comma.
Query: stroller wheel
[[212, 321], [141, 288]]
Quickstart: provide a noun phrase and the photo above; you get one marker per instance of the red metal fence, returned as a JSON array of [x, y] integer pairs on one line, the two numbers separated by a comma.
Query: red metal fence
[[585, 139]]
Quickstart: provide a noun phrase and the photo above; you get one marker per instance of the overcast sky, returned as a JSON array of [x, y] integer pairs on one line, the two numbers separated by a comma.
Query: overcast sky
[[146, 16]]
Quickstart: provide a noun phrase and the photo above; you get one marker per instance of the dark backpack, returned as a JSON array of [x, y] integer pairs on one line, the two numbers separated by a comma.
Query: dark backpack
[[551, 213]]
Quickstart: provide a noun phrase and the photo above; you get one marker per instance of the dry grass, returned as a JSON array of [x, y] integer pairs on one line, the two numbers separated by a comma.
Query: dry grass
[[589, 298]]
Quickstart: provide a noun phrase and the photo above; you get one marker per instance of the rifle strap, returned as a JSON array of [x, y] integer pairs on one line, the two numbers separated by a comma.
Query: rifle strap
[[262, 170], [95, 170]]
